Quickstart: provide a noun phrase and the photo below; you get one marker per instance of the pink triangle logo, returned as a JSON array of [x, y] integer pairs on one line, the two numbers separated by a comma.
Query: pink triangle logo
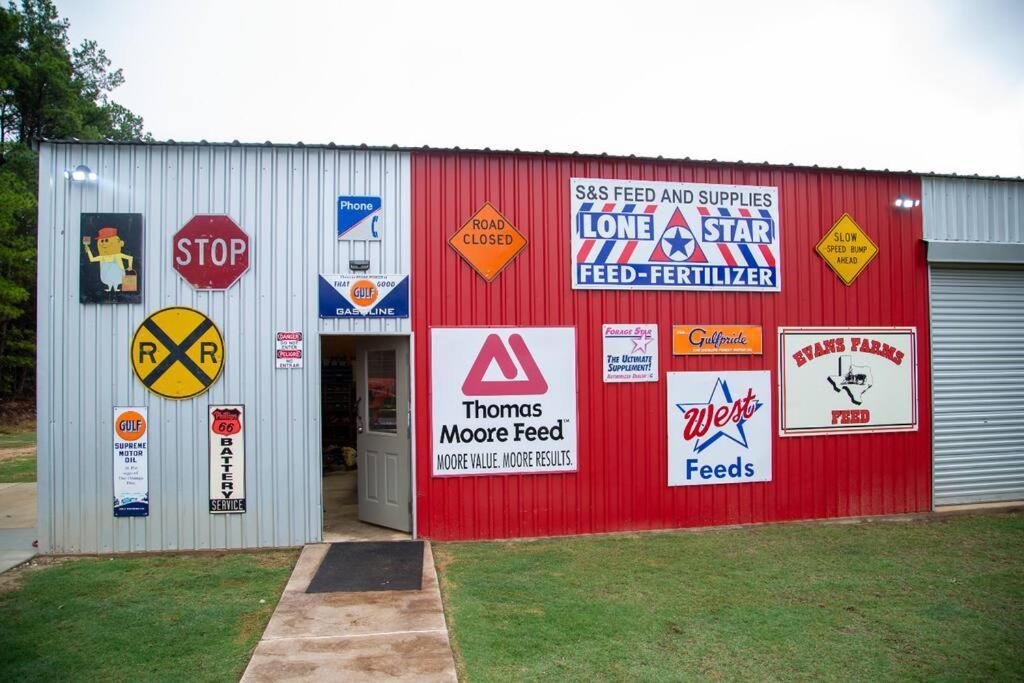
[[494, 350]]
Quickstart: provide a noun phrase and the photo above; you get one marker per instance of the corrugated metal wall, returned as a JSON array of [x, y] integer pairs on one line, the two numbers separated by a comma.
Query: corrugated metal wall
[[621, 482], [977, 318], [966, 210], [978, 370], [284, 197]]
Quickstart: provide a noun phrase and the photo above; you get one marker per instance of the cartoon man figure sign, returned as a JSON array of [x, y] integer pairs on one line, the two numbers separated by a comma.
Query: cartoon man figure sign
[[110, 257]]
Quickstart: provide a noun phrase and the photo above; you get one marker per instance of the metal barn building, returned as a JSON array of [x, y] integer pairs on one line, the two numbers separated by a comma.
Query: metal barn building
[[269, 345]]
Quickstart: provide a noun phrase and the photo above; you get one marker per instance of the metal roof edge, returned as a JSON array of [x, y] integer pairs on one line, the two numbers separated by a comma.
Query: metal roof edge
[[604, 156]]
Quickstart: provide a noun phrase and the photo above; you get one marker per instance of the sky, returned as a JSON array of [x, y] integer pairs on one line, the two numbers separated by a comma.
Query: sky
[[903, 85]]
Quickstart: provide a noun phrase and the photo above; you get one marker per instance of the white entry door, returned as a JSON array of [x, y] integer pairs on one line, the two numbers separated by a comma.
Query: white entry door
[[382, 441]]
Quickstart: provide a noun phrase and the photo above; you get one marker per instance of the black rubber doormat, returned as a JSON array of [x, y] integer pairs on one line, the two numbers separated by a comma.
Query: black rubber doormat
[[370, 566]]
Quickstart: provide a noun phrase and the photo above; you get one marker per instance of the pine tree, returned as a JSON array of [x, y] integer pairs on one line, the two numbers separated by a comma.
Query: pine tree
[[47, 90]]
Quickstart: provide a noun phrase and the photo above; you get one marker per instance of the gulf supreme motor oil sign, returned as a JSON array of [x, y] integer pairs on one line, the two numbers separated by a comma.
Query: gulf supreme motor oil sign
[[637, 234]]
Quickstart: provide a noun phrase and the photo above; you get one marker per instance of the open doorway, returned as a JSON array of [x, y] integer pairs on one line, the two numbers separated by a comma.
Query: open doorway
[[366, 458]]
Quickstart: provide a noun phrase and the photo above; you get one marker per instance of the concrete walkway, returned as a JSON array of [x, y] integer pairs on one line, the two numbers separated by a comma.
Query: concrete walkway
[[17, 524], [370, 636]]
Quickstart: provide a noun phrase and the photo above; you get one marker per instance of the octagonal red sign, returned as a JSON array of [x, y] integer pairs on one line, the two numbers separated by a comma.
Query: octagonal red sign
[[211, 252]]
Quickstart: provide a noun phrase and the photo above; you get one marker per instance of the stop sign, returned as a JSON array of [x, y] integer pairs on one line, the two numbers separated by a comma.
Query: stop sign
[[211, 252]]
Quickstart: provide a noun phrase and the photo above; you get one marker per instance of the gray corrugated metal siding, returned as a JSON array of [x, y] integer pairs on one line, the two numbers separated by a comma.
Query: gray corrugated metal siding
[[284, 198], [961, 209], [978, 372]]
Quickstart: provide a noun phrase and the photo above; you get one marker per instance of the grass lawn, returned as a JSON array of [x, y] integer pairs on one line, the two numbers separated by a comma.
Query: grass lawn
[[18, 470], [923, 600], [17, 439], [156, 618]]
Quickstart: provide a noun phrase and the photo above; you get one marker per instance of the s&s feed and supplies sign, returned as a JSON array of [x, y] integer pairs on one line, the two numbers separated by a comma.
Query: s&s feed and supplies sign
[[503, 400], [636, 234], [719, 427]]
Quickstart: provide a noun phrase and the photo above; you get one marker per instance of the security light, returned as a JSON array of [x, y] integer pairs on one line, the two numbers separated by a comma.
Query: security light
[[905, 202], [81, 174]]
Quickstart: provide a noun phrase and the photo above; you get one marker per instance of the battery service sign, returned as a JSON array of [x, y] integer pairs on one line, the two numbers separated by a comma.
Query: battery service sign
[[636, 234], [227, 459], [503, 400]]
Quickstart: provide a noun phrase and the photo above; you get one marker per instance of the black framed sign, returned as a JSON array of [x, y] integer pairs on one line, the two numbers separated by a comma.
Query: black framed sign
[[110, 258]]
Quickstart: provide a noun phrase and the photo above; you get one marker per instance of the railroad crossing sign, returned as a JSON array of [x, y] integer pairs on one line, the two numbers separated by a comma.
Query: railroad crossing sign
[[177, 352], [211, 252]]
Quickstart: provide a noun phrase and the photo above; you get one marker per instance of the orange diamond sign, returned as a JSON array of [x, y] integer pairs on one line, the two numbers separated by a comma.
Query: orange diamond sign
[[488, 242]]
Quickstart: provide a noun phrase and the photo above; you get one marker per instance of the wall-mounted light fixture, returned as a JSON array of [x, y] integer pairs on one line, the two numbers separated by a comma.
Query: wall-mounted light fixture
[[905, 202], [359, 266], [81, 174]]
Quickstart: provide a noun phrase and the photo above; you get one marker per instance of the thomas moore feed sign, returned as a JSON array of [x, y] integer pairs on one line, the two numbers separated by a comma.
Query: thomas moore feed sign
[[503, 400]]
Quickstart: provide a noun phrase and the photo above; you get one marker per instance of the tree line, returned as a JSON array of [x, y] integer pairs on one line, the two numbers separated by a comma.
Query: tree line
[[48, 89]]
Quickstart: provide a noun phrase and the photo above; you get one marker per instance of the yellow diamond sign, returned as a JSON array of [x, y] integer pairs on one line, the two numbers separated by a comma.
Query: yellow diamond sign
[[847, 249]]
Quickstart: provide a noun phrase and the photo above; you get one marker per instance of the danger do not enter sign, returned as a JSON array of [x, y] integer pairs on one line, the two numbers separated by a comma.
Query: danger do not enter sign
[[211, 252]]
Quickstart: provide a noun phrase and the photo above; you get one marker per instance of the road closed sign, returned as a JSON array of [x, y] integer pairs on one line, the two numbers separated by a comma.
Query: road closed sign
[[177, 352], [503, 400], [488, 242], [211, 252]]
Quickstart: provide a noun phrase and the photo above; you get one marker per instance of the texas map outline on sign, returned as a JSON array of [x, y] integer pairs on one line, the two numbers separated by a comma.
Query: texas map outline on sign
[[853, 379]]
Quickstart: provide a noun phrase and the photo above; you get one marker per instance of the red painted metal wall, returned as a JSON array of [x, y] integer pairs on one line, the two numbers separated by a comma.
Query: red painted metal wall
[[622, 479]]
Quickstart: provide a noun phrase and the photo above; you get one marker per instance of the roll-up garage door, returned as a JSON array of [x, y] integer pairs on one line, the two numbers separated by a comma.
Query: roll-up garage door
[[978, 384]]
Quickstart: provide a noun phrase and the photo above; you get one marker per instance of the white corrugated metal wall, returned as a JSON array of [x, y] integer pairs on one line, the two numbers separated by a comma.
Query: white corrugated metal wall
[[284, 198], [977, 314]]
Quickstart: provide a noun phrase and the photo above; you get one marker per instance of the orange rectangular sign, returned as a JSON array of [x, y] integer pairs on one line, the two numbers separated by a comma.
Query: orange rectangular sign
[[699, 340]]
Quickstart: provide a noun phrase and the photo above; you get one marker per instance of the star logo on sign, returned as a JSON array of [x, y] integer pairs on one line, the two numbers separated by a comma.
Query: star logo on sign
[[678, 243], [641, 343], [732, 430]]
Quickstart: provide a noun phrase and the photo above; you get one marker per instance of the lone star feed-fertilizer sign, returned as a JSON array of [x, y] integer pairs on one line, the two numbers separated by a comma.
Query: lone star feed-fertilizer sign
[[636, 234], [847, 379], [503, 400]]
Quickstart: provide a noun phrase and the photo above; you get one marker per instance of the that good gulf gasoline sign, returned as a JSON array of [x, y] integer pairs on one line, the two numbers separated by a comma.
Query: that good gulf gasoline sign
[[177, 352], [719, 427], [488, 242], [635, 234], [847, 249], [847, 379], [227, 459], [364, 296], [503, 400]]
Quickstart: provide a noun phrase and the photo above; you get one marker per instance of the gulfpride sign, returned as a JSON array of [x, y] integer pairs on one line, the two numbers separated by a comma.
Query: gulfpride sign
[[503, 400]]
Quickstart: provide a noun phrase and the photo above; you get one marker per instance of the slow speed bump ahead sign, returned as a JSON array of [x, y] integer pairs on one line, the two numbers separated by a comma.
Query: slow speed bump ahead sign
[[177, 352]]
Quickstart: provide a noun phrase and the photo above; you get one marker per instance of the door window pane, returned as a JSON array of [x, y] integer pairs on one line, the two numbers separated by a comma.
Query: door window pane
[[381, 383]]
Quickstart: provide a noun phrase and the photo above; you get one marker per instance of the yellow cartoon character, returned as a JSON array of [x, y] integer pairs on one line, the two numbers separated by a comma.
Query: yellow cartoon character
[[111, 260]]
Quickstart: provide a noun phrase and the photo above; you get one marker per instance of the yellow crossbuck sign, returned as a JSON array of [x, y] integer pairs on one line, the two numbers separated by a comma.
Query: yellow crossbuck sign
[[177, 352]]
